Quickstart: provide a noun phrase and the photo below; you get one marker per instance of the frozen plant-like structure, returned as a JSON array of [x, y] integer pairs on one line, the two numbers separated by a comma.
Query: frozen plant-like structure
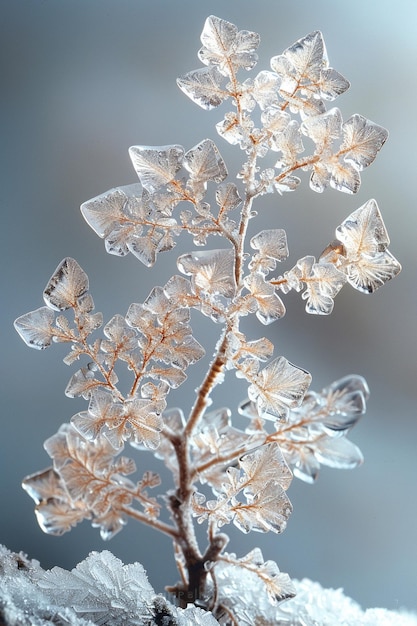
[[222, 474]]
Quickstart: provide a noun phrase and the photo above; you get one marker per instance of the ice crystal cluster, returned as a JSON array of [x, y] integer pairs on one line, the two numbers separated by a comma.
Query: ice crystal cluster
[[284, 122], [101, 590]]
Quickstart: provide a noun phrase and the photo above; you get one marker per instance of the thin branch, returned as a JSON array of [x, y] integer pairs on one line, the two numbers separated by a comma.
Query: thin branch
[[306, 162], [171, 531]]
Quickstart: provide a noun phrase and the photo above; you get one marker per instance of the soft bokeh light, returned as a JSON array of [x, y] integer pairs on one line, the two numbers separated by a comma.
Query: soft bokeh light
[[83, 81]]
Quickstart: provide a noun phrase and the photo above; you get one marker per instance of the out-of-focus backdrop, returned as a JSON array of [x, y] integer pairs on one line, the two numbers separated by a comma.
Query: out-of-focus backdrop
[[81, 82]]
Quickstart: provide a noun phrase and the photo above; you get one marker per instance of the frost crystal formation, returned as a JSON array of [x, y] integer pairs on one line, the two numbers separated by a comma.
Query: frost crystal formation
[[103, 591], [229, 465]]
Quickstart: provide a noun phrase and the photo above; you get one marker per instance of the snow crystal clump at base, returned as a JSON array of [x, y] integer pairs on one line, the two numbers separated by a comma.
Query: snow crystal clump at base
[[102, 591]]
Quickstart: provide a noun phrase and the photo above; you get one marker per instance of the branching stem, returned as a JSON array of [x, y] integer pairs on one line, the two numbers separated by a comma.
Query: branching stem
[[154, 523]]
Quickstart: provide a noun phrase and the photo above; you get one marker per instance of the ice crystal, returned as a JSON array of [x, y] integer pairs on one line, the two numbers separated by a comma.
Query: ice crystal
[[102, 591], [66, 286], [226, 47], [313, 606], [36, 327], [222, 473], [369, 264], [278, 387], [262, 478], [212, 271]]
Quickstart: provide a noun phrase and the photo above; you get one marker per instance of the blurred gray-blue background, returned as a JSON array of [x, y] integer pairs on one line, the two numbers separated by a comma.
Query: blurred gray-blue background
[[81, 81]]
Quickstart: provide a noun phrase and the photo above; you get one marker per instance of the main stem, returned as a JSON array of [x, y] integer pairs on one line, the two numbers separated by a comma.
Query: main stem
[[180, 503]]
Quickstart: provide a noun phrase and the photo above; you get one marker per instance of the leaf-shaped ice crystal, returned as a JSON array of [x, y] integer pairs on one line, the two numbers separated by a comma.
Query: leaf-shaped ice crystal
[[299, 274], [105, 211], [339, 453], [323, 129], [130, 222], [116, 241], [262, 479], [156, 166], [57, 516], [271, 246], [83, 382], [228, 199], [203, 86], [269, 306], [330, 166], [213, 434], [365, 239], [93, 478], [226, 47], [103, 412], [178, 289], [304, 464], [315, 431], [341, 176], [212, 271], [66, 286], [236, 130], [322, 285], [262, 349], [279, 387], [139, 423], [163, 321], [266, 463], [364, 230], [36, 327], [265, 89], [122, 339], [187, 351], [306, 75], [289, 142], [304, 59], [332, 84], [138, 316], [267, 510], [172, 376], [362, 141], [370, 273], [43, 485], [345, 402], [55, 512], [158, 302], [204, 162]]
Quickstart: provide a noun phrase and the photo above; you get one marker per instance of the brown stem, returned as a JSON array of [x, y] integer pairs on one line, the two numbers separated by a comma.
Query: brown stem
[[297, 165], [242, 236], [180, 502], [157, 524], [215, 371], [187, 543]]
